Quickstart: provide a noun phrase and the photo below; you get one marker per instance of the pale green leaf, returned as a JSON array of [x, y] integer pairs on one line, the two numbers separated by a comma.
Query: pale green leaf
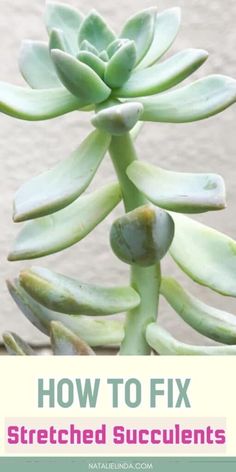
[[66, 18], [65, 343], [92, 61], [15, 346], [206, 255], [166, 29], [37, 105], [211, 322], [161, 77], [66, 227], [57, 40], [140, 29], [165, 344], [197, 101], [36, 65], [142, 236], [120, 65], [177, 191], [134, 133], [118, 119], [60, 186], [87, 46], [79, 78], [95, 30], [96, 332], [67, 295]]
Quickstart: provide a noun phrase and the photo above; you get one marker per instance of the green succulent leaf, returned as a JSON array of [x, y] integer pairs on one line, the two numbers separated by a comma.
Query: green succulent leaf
[[58, 41], [161, 77], [96, 332], [15, 346], [36, 65], [142, 236], [177, 191], [140, 29], [67, 295], [65, 343], [104, 56], [95, 30], [134, 133], [118, 119], [87, 46], [204, 98], [206, 255], [37, 105], [79, 78], [66, 227], [60, 186], [94, 62], [65, 18], [120, 65], [166, 29], [211, 322], [165, 344]]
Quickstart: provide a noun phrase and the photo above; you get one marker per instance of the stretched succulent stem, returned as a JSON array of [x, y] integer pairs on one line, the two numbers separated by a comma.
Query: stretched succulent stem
[[146, 281]]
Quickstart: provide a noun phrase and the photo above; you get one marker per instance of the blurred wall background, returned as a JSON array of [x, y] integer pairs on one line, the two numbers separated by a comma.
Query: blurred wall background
[[28, 149]]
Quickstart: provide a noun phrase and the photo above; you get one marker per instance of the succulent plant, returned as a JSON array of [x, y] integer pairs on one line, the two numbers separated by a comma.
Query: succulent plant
[[121, 81]]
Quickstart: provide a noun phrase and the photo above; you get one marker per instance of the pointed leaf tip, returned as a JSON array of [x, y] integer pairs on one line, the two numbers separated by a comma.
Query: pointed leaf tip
[[65, 343], [167, 26], [65, 18], [15, 346], [95, 30]]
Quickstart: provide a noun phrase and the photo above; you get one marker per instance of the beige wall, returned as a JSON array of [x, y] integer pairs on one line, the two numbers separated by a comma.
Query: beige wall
[[29, 148]]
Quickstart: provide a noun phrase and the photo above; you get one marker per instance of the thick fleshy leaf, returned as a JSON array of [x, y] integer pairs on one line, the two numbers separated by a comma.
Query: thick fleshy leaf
[[120, 65], [79, 78], [66, 18], [65, 343], [58, 41], [197, 101], [142, 236], [118, 119], [211, 322], [165, 344], [140, 29], [86, 46], [36, 65], [96, 332], [67, 295], [37, 105], [206, 255], [166, 29], [176, 191], [92, 61], [104, 56], [134, 133], [95, 30], [66, 227], [161, 77], [15, 346], [60, 186]]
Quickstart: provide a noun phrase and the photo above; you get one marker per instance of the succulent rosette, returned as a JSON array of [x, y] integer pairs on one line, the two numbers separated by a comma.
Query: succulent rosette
[[121, 80]]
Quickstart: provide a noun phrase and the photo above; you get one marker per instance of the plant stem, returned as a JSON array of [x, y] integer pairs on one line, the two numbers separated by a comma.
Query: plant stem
[[146, 281]]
